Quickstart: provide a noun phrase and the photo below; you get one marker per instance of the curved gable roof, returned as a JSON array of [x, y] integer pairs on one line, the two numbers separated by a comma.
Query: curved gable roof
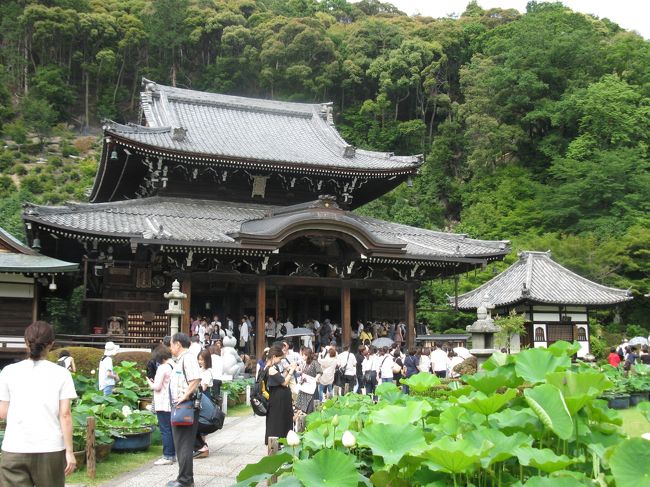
[[538, 278], [275, 132]]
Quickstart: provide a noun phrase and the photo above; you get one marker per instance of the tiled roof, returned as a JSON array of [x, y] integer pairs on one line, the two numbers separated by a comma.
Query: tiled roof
[[22, 259], [538, 278], [217, 223], [270, 131]]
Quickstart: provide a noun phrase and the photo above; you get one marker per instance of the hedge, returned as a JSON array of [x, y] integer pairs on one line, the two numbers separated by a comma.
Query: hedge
[[87, 358]]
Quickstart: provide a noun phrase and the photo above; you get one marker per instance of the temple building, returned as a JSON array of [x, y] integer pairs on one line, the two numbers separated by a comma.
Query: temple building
[[554, 300], [23, 274], [248, 203]]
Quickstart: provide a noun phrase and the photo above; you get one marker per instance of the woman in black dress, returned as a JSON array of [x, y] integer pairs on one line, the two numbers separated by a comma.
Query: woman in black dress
[[279, 418]]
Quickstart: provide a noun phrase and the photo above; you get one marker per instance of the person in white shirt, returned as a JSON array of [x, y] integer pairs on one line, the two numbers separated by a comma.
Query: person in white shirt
[[106, 377], [439, 361], [453, 362], [385, 366], [244, 334], [425, 360], [35, 397], [349, 361], [195, 346], [270, 330]]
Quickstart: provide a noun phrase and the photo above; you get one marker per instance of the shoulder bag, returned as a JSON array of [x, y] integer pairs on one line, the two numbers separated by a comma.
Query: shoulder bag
[[182, 413]]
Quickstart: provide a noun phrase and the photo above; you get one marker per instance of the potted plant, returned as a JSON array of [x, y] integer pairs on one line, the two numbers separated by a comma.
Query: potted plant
[[133, 431], [132, 389]]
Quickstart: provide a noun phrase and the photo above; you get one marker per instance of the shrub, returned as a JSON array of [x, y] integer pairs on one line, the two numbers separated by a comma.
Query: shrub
[[55, 161], [85, 358], [84, 144], [140, 358], [18, 169], [6, 185]]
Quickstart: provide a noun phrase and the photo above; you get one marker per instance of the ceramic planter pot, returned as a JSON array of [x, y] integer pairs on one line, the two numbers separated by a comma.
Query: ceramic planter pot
[[637, 397], [133, 442], [619, 402], [80, 456], [102, 451]]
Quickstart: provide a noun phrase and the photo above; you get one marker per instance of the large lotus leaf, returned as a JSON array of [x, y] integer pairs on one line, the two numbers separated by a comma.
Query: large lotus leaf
[[496, 360], [549, 405], [450, 456], [392, 442], [290, 481], [265, 467], [504, 446], [455, 421], [421, 381], [513, 420], [488, 381], [328, 468], [630, 463], [544, 459], [579, 389], [486, 405], [564, 349], [533, 364], [389, 392], [386, 478], [400, 414]]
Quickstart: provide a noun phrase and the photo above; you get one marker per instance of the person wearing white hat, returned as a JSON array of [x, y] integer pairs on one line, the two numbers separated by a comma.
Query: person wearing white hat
[[107, 377]]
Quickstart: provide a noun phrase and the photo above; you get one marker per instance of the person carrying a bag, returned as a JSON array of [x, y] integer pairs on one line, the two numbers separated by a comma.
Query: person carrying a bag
[[184, 383]]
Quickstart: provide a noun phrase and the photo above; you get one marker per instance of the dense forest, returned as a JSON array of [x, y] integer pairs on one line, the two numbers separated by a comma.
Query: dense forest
[[535, 127]]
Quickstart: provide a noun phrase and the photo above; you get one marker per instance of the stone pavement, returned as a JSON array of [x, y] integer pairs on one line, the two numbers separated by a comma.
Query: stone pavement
[[240, 442]]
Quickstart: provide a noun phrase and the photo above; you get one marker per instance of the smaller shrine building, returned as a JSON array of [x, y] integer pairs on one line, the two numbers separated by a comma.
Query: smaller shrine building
[[554, 300]]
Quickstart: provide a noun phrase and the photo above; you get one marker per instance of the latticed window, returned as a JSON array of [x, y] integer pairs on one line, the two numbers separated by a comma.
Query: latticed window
[[539, 334], [560, 332], [582, 334]]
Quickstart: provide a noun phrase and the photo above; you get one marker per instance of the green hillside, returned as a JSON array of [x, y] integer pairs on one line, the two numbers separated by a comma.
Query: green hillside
[[535, 127]]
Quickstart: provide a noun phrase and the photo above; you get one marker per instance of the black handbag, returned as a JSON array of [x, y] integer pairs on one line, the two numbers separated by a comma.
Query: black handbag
[[211, 417], [370, 377]]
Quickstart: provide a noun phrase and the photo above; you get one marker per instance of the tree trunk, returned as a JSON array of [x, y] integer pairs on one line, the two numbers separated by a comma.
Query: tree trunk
[[87, 109], [119, 77], [26, 66]]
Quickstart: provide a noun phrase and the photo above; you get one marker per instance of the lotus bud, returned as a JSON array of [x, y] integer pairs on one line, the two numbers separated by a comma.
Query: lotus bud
[[126, 411], [92, 372], [348, 439], [292, 438], [326, 433], [335, 420], [646, 436]]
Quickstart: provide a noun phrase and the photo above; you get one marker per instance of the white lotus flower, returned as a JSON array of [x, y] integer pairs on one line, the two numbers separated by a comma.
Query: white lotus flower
[[293, 439], [348, 439], [126, 411], [646, 436]]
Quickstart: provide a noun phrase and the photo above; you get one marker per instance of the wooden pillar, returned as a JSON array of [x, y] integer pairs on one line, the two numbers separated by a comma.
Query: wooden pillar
[[35, 299], [409, 308], [346, 315], [277, 303], [260, 317], [186, 288]]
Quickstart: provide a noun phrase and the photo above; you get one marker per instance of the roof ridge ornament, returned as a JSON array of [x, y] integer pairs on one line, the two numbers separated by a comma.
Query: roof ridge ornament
[[349, 151]]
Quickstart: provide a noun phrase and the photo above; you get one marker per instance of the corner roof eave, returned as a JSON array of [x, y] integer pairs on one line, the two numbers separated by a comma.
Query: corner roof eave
[[410, 168]]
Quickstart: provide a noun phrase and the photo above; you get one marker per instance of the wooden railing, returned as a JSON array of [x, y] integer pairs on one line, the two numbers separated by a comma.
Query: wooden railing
[[99, 340]]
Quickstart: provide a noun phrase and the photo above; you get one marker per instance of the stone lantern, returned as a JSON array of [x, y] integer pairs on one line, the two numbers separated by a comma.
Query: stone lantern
[[175, 310], [482, 331]]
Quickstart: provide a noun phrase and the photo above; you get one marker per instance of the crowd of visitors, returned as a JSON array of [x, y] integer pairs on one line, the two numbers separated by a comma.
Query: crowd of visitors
[[626, 355], [294, 381]]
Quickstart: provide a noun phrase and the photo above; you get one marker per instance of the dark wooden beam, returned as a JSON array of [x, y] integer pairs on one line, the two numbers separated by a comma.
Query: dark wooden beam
[[186, 288], [409, 307], [346, 315]]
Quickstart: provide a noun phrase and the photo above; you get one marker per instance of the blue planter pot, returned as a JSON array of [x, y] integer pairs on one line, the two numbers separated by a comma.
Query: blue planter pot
[[133, 442], [637, 397], [619, 402]]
